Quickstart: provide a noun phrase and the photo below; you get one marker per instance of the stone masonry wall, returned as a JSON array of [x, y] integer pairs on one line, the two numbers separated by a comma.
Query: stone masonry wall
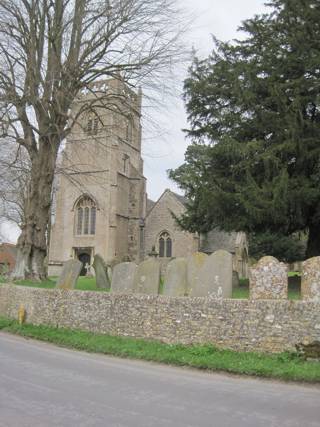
[[246, 325]]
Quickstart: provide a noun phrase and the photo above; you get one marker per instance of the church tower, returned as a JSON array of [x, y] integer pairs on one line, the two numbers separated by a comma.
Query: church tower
[[100, 197]]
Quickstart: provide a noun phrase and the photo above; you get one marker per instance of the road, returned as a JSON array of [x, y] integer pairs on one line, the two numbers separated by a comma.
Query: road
[[43, 385]]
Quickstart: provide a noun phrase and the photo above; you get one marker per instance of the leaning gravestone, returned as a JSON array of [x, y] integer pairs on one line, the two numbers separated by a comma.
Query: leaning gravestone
[[215, 276], [194, 264], [269, 279], [123, 277], [310, 281], [147, 277], [175, 280], [100, 269], [69, 275]]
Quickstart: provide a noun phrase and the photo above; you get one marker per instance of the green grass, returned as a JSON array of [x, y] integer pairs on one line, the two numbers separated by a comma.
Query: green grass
[[242, 292], [89, 284], [84, 283], [285, 366], [294, 274]]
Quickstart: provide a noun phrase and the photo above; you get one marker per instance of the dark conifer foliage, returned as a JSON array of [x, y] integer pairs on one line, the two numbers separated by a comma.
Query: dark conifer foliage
[[254, 113]]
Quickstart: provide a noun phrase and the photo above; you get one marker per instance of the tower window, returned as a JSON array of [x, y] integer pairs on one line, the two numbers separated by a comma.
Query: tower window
[[92, 126], [165, 245], [129, 131], [85, 216]]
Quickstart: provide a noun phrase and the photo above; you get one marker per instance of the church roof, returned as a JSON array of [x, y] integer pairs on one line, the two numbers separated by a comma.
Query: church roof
[[181, 198], [151, 203]]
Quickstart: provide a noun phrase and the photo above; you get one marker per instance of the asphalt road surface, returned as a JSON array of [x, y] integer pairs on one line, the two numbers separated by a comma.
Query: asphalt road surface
[[43, 385]]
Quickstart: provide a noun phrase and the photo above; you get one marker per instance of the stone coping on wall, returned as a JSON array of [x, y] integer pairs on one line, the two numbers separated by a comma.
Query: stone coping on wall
[[244, 325]]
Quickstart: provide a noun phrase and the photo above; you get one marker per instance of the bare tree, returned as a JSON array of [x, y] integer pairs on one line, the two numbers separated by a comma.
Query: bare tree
[[49, 52], [15, 172]]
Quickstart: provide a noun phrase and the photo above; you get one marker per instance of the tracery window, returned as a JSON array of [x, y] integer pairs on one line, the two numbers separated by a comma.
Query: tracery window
[[85, 216], [165, 245]]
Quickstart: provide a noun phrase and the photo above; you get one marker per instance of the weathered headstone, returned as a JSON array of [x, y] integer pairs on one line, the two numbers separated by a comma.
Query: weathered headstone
[[215, 276], [69, 274], [109, 272], [147, 277], [194, 264], [100, 268], [269, 279], [235, 280], [175, 279], [123, 277], [310, 280]]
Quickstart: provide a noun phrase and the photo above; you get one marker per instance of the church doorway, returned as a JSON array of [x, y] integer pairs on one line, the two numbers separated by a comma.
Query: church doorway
[[84, 256]]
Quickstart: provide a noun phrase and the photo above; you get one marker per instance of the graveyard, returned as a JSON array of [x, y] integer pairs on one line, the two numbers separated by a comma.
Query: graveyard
[[194, 302], [101, 267]]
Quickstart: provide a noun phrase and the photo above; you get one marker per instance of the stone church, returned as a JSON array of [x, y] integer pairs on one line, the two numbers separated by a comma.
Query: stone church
[[101, 204]]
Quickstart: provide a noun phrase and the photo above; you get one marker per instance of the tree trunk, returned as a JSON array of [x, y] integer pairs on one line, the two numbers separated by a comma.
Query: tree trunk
[[32, 243], [313, 245]]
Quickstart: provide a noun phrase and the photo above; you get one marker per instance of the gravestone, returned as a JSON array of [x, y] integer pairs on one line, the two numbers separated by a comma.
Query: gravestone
[[175, 279], [69, 274], [147, 277], [235, 280], [100, 269], [269, 279], [215, 276], [194, 264], [109, 272], [310, 280], [123, 277]]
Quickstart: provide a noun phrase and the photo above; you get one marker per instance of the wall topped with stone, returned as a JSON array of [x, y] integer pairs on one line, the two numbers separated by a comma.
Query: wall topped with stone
[[245, 325]]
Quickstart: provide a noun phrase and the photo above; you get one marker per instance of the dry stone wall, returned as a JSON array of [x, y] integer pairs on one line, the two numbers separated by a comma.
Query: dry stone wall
[[246, 325]]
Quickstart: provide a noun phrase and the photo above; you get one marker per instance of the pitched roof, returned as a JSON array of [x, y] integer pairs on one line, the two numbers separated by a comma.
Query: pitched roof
[[178, 197], [10, 248], [182, 199]]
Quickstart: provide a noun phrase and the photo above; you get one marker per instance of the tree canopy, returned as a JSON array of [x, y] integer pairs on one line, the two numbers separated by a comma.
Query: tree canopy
[[50, 52], [253, 110]]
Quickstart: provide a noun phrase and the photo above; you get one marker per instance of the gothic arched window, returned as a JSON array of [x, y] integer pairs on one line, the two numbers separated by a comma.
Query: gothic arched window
[[85, 216], [165, 245]]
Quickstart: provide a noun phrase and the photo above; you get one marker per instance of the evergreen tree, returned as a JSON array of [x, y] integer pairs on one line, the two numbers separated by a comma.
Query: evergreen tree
[[253, 109], [285, 248]]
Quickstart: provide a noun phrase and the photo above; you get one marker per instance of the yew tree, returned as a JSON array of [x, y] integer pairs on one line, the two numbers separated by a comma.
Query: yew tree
[[49, 52], [254, 113]]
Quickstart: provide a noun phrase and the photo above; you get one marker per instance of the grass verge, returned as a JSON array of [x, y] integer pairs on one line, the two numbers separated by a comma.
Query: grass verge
[[284, 366]]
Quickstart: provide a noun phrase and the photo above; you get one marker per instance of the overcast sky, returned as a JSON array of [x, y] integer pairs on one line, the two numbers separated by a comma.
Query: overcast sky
[[218, 17], [166, 149]]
